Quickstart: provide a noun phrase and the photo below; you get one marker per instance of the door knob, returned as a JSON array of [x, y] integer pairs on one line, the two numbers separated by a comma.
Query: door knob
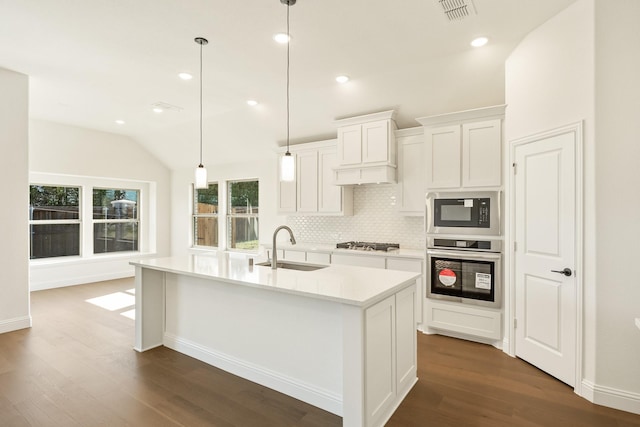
[[566, 271]]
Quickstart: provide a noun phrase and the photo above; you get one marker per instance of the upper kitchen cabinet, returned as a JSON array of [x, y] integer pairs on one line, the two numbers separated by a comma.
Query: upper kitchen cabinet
[[313, 192], [366, 149], [411, 187], [464, 149]]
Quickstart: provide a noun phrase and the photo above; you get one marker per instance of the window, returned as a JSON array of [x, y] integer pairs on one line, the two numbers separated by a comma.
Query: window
[[242, 215], [54, 221], [205, 216], [115, 220]]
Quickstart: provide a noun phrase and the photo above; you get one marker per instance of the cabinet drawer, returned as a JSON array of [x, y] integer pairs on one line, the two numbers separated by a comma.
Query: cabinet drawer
[[403, 264], [318, 258], [358, 260], [294, 255]]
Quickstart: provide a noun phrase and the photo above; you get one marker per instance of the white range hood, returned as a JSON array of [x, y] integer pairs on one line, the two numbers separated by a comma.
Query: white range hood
[[366, 149]]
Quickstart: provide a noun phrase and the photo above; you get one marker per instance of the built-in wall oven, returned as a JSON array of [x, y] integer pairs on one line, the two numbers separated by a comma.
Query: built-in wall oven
[[458, 271], [464, 247]]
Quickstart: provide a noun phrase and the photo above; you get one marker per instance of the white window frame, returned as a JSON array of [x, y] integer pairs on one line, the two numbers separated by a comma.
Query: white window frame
[[135, 220], [58, 221], [147, 218], [195, 215], [230, 216]]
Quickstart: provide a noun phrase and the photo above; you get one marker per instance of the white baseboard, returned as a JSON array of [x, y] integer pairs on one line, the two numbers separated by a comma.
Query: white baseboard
[[433, 331], [321, 398], [80, 280], [15, 324], [611, 397]]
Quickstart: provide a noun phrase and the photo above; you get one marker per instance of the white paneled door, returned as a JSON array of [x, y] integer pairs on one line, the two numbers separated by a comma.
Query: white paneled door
[[545, 253]]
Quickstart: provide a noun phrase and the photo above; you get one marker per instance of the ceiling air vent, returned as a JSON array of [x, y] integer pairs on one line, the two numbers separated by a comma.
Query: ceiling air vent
[[456, 10]]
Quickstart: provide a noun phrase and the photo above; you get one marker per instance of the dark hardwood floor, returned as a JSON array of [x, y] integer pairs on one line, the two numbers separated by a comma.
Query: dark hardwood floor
[[76, 367]]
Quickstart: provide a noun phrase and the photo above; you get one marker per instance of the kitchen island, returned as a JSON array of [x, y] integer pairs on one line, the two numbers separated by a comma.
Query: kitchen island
[[341, 338]]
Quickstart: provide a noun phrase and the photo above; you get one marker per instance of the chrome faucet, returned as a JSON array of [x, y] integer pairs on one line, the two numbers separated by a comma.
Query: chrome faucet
[[274, 257]]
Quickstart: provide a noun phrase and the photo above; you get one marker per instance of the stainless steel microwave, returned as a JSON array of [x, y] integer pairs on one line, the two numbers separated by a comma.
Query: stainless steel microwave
[[464, 213]]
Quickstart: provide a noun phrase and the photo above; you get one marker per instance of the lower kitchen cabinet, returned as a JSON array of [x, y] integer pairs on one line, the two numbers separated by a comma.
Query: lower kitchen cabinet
[[413, 265], [359, 260], [294, 255], [390, 367], [318, 258], [464, 319]]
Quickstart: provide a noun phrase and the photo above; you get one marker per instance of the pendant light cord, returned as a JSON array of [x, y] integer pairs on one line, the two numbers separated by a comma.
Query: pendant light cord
[[200, 104], [288, 48]]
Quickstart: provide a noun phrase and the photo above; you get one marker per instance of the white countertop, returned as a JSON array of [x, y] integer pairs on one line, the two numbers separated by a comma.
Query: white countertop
[[312, 247], [351, 285]]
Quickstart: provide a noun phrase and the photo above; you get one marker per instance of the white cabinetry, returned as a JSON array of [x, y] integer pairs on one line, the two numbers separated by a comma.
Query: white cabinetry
[[411, 187], [313, 192], [358, 260], [413, 265], [463, 319], [390, 366], [464, 149], [366, 149], [307, 181]]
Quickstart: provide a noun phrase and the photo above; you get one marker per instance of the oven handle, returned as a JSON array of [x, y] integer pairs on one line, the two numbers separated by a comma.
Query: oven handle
[[471, 255]]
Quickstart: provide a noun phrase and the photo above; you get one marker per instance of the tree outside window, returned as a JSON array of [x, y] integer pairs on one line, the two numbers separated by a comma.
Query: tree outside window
[[205, 216], [54, 221], [242, 215], [115, 220]]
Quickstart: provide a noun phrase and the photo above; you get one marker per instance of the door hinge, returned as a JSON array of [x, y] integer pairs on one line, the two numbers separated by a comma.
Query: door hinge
[[515, 323], [515, 167], [515, 246]]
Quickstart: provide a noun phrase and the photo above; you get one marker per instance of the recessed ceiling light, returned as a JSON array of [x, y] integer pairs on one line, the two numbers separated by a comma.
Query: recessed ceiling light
[[120, 122], [252, 102], [479, 42], [342, 79], [282, 38], [158, 110], [185, 76]]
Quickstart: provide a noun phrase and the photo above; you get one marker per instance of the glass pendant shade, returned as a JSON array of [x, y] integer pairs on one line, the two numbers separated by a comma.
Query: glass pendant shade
[[287, 168], [201, 177]]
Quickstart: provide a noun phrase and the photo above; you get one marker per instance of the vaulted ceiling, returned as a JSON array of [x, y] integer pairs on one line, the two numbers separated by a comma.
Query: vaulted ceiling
[[91, 62]]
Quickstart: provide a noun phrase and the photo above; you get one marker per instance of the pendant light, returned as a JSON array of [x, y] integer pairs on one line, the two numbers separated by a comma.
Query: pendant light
[[288, 163], [201, 171]]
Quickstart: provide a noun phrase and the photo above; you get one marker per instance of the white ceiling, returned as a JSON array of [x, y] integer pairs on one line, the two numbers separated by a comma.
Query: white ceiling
[[94, 61]]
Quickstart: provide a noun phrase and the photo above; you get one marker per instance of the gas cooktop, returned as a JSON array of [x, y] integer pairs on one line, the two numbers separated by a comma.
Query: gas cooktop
[[368, 246]]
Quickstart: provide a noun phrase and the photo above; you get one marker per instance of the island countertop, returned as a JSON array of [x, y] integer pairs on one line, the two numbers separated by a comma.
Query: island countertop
[[359, 286]]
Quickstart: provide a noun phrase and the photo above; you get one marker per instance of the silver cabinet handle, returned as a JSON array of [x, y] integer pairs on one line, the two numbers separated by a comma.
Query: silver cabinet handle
[[566, 271]]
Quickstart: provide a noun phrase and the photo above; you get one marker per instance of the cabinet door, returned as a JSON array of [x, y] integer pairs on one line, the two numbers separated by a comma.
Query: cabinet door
[[350, 145], [307, 177], [411, 175], [380, 363], [443, 157], [375, 141], [286, 193], [329, 195], [413, 265], [481, 154], [406, 353]]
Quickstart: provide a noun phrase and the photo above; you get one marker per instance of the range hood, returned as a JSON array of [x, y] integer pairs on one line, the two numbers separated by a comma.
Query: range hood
[[366, 149]]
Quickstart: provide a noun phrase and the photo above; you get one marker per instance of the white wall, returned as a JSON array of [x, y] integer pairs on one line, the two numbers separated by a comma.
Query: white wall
[[14, 227], [77, 154], [617, 154], [551, 81], [182, 198]]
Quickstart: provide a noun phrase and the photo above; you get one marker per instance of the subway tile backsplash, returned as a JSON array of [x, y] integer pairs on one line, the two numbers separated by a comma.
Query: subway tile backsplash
[[375, 219]]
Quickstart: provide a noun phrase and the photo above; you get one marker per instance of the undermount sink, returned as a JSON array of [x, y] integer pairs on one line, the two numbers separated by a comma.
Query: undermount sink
[[294, 265]]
